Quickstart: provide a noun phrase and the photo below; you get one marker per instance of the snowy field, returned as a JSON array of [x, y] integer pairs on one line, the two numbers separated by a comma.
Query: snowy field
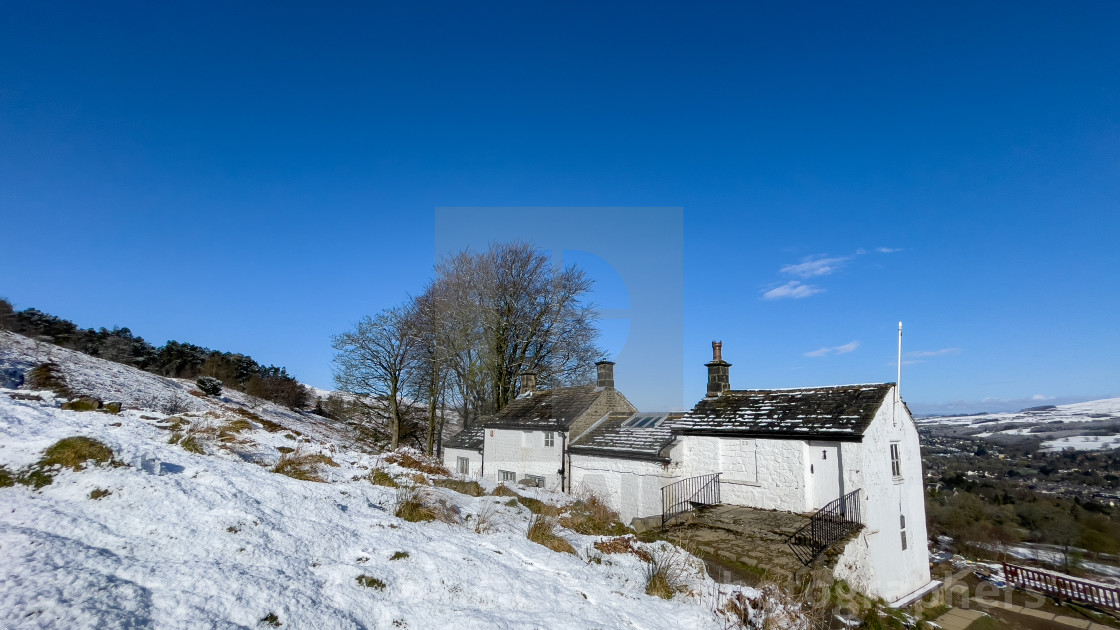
[[189, 540], [1092, 411]]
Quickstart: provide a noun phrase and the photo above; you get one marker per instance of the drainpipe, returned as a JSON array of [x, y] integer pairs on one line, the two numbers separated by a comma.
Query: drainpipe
[[563, 458]]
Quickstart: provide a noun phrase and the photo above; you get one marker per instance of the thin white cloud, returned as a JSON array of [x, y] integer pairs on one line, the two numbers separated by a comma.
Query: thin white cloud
[[861, 251], [1041, 397], [792, 289], [814, 266], [934, 353], [888, 250], [844, 349]]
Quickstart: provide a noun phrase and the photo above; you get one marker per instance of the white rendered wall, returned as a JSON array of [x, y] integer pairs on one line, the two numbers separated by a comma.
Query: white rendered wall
[[523, 453], [777, 479], [451, 460], [896, 572], [630, 487]]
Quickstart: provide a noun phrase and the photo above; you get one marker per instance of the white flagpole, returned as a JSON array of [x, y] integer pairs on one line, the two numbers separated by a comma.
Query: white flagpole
[[898, 381]]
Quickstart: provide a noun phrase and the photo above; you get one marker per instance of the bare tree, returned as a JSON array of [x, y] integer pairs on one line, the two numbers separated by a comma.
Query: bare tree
[[504, 312], [376, 358]]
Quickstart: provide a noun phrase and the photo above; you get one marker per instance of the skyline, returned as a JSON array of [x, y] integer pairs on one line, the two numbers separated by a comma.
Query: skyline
[[255, 178]]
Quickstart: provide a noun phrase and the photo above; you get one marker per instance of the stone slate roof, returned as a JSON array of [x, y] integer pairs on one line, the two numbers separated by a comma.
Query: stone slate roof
[[840, 412], [469, 439], [546, 409], [609, 438]]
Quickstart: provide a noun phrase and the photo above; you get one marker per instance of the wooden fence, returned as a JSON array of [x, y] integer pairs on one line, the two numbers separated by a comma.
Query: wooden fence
[[1062, 586]]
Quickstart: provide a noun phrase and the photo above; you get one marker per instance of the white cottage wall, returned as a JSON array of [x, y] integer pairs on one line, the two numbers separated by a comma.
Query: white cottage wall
[[629, 486], [523, 453], [888, 499], [780, 473], [451, 460]]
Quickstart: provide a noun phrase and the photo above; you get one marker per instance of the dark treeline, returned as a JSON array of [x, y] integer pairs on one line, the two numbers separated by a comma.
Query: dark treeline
[[173, 359]]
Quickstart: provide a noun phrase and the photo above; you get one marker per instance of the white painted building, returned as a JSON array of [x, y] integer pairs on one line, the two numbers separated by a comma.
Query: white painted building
[[796, 450]]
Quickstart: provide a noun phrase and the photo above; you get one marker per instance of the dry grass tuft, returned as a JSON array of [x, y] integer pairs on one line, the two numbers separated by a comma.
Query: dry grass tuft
[[417, 505], [487, 517], [406, 460], [268, 425], [663, 573], [504, 491], [369, 581], [191, 443], [623, 544], [303, 466], [74, 452], [381, 478], [99, 493], [593, 517], [470, 488], [48, 376], [7, 480], [542, 530]]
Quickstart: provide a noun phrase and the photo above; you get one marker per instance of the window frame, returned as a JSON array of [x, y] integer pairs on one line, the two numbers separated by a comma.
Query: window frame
[[507, 475], [902, 530], [536, 479], [463, 465], [549, 439], [896, 460]]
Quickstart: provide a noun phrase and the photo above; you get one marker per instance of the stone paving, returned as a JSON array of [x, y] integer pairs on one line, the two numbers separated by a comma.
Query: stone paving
[[748, 543]]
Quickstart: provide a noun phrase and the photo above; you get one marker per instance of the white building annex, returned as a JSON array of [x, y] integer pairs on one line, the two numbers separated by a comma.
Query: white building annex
[[852, 450]]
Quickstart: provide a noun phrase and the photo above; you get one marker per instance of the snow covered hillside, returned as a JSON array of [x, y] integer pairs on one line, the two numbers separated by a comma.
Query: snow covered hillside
[[189, 526], [1084, 426]]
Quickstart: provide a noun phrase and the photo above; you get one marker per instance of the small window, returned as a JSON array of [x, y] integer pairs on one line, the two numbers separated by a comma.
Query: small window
[[549, 439], [535, 481], [506, 475], [902, 529], [463, 465], [896, 461], [904, 540]]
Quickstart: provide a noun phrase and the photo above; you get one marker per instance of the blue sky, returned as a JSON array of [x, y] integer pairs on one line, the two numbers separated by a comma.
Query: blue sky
[[256, 177]]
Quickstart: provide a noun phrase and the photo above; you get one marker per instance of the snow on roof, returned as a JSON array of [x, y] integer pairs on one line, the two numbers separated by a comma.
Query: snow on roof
[[549, 409], [625, 433], [832, 412]]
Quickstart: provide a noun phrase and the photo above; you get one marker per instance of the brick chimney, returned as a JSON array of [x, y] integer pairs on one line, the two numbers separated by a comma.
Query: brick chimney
[[528, 382], [719, 377], [606, 374]]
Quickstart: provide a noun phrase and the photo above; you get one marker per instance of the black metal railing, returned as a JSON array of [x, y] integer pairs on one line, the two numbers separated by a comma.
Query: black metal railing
[[687, 495], [828, 525]]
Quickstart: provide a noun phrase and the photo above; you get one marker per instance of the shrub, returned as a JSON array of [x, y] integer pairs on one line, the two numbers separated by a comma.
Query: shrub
[[369, 581], [381, 478], [303, 466], [99, 493], [74, 452], [6, 478], [400, 555], [504, 491], [176, 403], [542, 530], [209, 385], [48, 376], [271, 620], [470, 488]]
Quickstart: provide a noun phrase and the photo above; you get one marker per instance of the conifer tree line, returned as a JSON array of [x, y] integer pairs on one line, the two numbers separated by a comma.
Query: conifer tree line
[[463, 344], [173, 359]]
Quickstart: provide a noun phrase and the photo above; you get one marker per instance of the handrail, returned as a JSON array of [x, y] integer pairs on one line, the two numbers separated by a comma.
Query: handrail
[[1062, 586], [688, 494], [826, 526]]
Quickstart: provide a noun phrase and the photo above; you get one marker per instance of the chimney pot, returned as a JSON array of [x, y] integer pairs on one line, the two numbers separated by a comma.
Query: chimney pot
[[528, 382], [717, 350], [606, 374]]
